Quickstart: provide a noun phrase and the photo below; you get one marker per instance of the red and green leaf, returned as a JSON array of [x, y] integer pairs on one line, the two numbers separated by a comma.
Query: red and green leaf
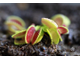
[[63, 30], [29, 33]]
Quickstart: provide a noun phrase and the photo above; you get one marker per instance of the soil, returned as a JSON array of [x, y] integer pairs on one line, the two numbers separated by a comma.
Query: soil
[[43, 48], [32, 13]]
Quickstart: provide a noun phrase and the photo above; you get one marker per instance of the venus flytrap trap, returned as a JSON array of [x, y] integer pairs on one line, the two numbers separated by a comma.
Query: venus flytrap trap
[[19, 37], [53, 36], [31, 35], [53, 30], [34, 34], [61, 20], [15, 23], [63, 30], [37, 36], [17, 20]]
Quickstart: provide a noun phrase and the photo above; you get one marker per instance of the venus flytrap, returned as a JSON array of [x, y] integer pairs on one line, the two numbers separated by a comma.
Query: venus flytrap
[[53, 36], [15, 23], [17, 20], [61, 20], [63, 30], [34, 34], [37, 36], [19, 37], [53, 30], [30, 35]]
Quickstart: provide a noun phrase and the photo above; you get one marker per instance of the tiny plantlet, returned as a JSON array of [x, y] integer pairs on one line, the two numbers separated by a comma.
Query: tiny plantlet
[[61, 20], [34, 34]]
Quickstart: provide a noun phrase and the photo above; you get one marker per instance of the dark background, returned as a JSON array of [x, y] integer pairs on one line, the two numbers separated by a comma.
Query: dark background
[[33, 12]]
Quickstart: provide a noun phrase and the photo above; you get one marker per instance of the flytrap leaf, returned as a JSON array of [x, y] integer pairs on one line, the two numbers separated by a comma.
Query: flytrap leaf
[[37, 36], [53, 36], [19, 37], [61, 20], [33, 34], [19, 34], [15, 23], [13, 27], [29, 34], [63, 30], [17, 20], [21, 41], [49, 23]]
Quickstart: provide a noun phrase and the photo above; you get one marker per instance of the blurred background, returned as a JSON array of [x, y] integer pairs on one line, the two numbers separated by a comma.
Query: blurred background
[[33, 12]]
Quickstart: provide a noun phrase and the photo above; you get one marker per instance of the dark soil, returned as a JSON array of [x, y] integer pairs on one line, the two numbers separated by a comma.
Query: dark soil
[[44, 48], [32, 13]]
